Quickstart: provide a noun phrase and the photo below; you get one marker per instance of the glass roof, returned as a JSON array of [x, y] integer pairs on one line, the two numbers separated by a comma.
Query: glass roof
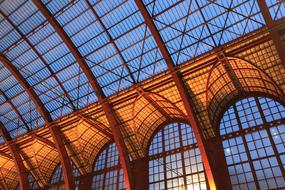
[[114, 41]]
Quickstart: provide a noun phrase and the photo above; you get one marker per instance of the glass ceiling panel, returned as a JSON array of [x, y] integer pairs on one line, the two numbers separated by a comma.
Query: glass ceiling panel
[[121, 40], [191, 27], [41, 57], [12, 90], [276, 8], [114, 41]]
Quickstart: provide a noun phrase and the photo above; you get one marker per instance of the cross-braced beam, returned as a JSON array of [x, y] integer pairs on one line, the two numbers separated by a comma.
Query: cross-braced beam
[[34, 97], [182, 91], [111, 40], [16, 110]]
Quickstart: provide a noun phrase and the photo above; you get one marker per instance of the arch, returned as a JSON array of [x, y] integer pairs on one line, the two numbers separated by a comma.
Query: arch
[[149, 111], [174, 159], [243, 79], [107, 170], [253, 137]]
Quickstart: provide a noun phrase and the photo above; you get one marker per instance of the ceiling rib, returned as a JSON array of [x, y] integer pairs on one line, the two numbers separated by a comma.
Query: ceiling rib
[[182, 91], [16, 110], [230, 72], [15, 152], [111, 40], [40, 57], [106, 106]]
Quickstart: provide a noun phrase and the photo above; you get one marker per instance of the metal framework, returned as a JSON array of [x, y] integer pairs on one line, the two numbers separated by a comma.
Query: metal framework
[[183, 93], [123, 69]]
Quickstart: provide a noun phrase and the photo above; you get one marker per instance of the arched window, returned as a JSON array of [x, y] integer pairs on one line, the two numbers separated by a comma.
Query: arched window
[[107, 170], [174, 160], [253, 134], [57, 181]]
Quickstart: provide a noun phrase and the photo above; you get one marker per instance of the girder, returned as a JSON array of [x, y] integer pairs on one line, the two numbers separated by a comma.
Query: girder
[[34, 97], [273, 30], [182, 91], [111, 40]]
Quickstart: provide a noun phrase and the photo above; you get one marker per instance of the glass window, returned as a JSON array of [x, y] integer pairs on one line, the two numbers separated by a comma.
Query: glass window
[[174, 160], [108, 173], [253, 139], [57, 181]]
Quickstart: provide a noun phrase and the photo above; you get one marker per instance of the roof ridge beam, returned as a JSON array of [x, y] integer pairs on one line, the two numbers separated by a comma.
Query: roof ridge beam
[[184, 94]]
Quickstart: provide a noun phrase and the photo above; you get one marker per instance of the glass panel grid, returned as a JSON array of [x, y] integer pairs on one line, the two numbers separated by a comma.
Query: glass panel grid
[[107, 172], [276, 8], [255, 155], [190, 28], [174, 159]]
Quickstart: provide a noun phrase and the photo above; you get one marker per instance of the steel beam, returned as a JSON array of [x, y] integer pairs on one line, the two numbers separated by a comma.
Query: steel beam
[[273, 31], [106, 106], [188, 104], [55, 132], [63, 157], [111, 40], [230, 72], [155, 105], [15, 152], [44, 140], [4, 154]]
